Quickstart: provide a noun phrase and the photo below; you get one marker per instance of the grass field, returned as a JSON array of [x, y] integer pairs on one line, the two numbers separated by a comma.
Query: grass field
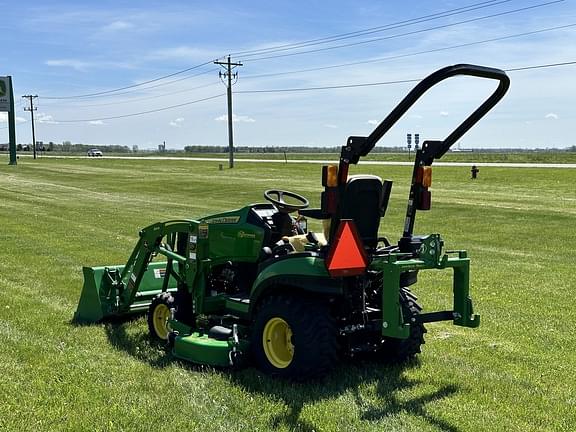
[[514, 373], [553, 156]]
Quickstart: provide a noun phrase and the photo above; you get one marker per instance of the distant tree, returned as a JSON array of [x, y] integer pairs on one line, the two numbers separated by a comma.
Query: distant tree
[[50, 146], [19, 147], [135, 148]]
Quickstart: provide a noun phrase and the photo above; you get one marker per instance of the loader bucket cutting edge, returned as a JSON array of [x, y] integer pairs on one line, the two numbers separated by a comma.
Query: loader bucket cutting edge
[[95, 304]]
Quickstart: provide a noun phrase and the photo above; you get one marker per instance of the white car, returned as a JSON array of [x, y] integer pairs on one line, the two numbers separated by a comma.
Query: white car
[[94, 152]]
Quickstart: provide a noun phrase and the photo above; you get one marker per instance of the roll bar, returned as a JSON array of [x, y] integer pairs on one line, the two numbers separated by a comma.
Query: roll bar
[[357, 147], [361, 146]]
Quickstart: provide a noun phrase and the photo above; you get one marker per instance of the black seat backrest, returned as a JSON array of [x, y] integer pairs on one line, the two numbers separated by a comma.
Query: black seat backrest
[[363, 204]]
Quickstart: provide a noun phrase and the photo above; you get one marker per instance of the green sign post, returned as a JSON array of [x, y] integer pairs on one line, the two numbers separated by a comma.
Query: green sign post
[[7, 104]]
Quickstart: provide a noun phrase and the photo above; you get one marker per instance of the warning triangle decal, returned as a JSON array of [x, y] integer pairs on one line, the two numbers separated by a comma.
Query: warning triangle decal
[[347, 256]]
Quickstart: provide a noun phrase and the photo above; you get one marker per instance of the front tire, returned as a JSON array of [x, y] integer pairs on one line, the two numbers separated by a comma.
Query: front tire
[[158, 316], [294, 338]]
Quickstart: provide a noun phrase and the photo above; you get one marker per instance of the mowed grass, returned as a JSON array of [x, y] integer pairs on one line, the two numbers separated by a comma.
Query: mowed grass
[[514, 373], [477, 156]]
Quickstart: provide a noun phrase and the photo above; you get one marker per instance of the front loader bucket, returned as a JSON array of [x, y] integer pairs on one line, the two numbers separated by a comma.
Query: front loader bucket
[[98, 301]]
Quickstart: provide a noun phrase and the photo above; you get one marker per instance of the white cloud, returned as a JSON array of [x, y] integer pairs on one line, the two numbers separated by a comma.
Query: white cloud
[[177, 122], [417, 116], [551, 115], [96, 122], [331, 126], [444, 113], [117, 26], [4, 118], [372, 122], [83, 66], [45, 119], [78, 65], [182, 53], [236, 119]]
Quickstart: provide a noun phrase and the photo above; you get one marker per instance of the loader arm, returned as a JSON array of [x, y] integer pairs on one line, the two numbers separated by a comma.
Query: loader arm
[[119, 290], [149, 245]]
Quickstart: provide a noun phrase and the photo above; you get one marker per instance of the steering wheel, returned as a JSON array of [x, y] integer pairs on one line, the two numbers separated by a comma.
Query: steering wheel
[[276, 197]]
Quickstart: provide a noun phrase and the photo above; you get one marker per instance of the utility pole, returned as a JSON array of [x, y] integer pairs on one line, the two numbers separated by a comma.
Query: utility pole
[[228, 75], [32, 108]]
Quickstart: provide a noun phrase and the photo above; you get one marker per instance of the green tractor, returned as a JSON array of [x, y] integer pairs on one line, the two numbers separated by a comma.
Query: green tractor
[[255, 284]]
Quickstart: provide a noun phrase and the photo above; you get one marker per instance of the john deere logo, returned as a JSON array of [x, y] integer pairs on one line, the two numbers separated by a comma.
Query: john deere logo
[[242, 234], [2, 89]]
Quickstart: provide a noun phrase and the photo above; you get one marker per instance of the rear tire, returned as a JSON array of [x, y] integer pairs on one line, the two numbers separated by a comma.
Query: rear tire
[[158, 316], [403, 350], [294, 338]]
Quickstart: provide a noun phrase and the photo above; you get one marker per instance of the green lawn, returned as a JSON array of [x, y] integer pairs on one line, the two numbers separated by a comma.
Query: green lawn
[[553, 156], [514, 373]]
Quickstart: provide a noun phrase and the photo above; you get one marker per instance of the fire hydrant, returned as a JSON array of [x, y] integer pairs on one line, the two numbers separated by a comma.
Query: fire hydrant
[[474, 172]]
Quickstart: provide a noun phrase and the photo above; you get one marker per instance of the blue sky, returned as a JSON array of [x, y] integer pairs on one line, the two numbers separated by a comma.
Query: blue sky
[[75, 48]]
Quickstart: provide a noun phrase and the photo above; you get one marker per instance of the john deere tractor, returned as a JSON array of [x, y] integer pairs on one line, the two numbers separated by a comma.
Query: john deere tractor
[[254, 284]]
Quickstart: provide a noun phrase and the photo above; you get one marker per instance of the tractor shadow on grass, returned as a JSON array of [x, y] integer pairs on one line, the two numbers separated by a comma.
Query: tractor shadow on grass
[[125, 336], [365, 382], [379, 391]]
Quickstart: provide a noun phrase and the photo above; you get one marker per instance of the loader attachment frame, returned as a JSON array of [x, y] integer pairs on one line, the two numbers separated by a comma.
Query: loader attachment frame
[[121, 290]]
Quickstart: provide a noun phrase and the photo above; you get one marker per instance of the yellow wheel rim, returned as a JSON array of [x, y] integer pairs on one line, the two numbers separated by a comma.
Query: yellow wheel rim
[[160, 320], [277, 343]]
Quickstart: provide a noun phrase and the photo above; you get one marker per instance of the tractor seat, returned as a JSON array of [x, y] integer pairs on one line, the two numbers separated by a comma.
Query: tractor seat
[[365, 201]]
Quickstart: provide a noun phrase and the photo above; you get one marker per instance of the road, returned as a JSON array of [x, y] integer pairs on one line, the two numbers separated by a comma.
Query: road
[[307, 161]]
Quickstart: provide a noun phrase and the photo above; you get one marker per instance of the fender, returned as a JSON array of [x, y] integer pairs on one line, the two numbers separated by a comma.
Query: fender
[[302, 272]]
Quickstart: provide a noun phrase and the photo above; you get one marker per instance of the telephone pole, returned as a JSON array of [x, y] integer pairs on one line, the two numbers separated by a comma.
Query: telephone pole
[[32, 108], [228, 75]]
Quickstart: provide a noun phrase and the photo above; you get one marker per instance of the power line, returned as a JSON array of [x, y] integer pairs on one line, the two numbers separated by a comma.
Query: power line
[[405, 81], [382, 59], [130, 86], [438, 15], [372, 30], [410, 33], [141, 112], [147, 98], [569, 63], [146, 88], [349, 35], [329, 87]]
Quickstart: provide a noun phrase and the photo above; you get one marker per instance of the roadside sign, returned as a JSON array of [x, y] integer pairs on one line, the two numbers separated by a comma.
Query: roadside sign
[[7, 104], [5, 94]]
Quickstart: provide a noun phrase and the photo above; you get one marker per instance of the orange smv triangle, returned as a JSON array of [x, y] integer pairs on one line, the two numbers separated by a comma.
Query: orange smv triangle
[[347, 256]]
